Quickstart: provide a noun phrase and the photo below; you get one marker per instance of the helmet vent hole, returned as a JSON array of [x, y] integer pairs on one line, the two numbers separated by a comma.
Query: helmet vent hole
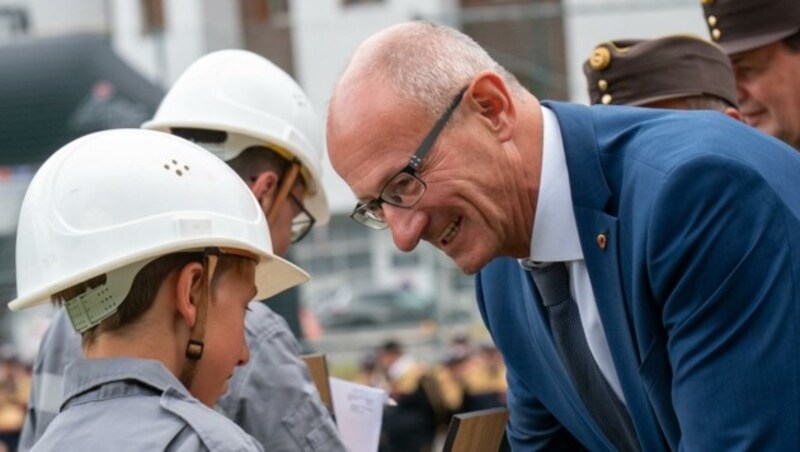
[[179, 167], [299, 99]]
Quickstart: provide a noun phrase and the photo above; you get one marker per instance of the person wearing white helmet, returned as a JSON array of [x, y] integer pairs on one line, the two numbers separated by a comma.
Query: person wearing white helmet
[[155, 249], [251, 114]]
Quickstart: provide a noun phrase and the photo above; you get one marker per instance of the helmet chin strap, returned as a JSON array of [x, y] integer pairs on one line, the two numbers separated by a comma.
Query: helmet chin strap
[[287, 182], [194, 349]]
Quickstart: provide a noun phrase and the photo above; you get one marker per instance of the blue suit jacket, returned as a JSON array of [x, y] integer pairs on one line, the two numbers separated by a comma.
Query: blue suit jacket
[[697, 286]]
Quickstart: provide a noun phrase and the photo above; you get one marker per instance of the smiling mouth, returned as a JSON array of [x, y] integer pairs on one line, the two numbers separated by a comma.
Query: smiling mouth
[[450, 232]]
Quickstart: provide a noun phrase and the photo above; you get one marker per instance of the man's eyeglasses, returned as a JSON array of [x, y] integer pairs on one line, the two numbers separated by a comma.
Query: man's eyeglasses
[[302, 222], [405, 188]]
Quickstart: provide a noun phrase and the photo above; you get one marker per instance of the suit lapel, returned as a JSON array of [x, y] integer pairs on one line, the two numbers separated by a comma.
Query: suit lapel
[[604, 274]]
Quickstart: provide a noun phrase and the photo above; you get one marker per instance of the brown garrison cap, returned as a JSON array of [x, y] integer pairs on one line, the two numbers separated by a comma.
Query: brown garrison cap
[[740, 25], [638, 72]]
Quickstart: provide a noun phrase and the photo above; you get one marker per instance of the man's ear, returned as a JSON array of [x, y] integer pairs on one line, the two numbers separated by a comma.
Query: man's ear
[[188, 290], [264, 188], [733, 113], [488, 94]]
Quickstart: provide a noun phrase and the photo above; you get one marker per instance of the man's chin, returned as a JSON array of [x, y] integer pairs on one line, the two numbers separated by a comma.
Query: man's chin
[[468, 270], [469, 265]]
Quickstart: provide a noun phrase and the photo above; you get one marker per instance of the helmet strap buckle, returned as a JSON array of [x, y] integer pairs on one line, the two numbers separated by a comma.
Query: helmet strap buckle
[[287, 183], [195, 347], [194, 350]]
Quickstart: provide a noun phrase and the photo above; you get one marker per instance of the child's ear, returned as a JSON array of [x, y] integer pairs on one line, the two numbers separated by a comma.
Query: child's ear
[[189, 288]]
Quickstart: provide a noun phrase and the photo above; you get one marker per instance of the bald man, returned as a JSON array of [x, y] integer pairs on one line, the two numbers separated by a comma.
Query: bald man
[[637, 268]]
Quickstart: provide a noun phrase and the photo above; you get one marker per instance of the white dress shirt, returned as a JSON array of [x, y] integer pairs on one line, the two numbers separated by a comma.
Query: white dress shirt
[[555, 239]]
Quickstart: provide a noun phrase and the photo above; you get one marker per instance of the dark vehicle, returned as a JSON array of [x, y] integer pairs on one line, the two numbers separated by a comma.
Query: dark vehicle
[[377, 307]]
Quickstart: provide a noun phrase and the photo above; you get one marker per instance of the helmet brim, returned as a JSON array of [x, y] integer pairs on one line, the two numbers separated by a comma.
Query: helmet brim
[[273, 274]]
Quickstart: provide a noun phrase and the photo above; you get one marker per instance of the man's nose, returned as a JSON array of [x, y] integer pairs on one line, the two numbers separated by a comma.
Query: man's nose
[[406, 225]]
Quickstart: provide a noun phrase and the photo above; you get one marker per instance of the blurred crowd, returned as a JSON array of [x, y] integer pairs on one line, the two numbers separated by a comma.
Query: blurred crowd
[[468, 377], [15, 381]]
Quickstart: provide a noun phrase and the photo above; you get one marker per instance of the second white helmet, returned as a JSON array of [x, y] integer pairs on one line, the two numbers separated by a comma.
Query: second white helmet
[[243, 93]]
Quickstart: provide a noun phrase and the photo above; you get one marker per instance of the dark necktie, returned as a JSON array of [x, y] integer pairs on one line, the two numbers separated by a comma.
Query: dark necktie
[[552, 281]]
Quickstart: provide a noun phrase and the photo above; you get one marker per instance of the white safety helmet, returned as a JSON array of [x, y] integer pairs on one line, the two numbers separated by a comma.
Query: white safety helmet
[[112, 201], [243, 93]]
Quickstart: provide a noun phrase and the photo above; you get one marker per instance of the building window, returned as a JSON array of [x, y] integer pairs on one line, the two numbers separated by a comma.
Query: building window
[[152, 16]]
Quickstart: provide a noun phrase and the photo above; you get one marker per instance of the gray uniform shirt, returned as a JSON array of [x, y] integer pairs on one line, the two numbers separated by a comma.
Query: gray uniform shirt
[[272, 398], [127, 404]]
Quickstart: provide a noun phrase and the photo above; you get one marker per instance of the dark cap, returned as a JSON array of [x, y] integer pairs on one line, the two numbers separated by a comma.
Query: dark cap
[[638, 72], [391, 346], [740, 25]]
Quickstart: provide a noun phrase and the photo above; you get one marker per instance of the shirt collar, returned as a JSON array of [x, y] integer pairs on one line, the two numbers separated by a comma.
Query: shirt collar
[[555, 230], [86, 374]]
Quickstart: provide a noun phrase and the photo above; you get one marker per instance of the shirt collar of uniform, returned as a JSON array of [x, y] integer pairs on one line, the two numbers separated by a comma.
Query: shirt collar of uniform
[[555, 231], [85, 375]]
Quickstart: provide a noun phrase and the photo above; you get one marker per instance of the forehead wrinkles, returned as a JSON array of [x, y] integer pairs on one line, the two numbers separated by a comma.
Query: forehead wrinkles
[[378, 160], [370, 154]]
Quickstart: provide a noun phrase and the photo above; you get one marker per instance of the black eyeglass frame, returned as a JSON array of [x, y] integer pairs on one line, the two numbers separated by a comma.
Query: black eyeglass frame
[[303, 209], [361, 212]]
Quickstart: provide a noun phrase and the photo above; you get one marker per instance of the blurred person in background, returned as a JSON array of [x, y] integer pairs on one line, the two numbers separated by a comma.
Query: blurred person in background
[[410, 425], [681, 72], [762, 40], [460, 343], [479, 376], [15, 378], [448, 373], [472, 379], [493, 375], [450, 370], [248, 112], [368, 372]]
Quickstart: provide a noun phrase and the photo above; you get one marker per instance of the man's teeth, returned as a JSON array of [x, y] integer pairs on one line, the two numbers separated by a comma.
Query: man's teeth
[[450, 233]]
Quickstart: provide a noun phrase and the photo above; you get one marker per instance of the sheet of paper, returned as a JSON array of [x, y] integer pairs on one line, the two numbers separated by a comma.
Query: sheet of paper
[[359, 410]]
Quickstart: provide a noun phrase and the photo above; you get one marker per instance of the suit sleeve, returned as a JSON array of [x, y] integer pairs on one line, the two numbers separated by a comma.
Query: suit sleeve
[[530, 427], [722, 263]]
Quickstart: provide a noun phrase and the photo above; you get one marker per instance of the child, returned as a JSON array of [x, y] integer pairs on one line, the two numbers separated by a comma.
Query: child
[[155, 247]]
